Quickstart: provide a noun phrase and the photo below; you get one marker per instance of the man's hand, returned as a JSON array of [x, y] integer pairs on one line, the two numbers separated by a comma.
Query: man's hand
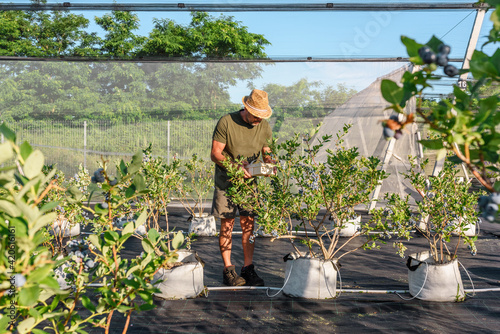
[[244, 165]]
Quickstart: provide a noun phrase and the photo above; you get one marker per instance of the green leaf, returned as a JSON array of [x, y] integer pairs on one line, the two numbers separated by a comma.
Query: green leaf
[[497, 186], [26, 325], [178, 240], [39, 273], [434, 43], [146, 307], [9, 208], [433, 144], [42, 221], [74, 194], [49, 206], [34, 164], [111, 237], [95, 240], [123, 168], [139, 183], [153, 235], [7, 133], [38, 331], [130, 191], [411, 46], [87, 303], [441, 154], [146, 245], [5, 152], [28, 296], [391, 92], [136, 163], [26, 150], [129, 227]]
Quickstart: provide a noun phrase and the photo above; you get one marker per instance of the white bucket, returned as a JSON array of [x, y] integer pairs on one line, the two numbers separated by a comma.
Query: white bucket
[[311, 278], [185, 281], [203, 225], [434, 282]]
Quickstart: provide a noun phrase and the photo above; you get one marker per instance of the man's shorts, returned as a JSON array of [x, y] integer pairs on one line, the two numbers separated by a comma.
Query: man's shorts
[[223, 207]]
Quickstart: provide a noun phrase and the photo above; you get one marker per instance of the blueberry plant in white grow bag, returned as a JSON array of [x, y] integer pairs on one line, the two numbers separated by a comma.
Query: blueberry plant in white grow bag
[[315, 197], [465, 123], [30, 298], [446, 208], [70, 213], [198, 181]]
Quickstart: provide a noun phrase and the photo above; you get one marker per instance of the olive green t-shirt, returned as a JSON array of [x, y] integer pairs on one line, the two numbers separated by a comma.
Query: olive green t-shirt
[[242, 141]]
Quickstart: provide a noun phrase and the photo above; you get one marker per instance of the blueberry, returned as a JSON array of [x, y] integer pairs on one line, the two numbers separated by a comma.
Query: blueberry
[[483, 201], [398, 134], [104, 205], [90, 263], [424, 50], [442, 59], [444, 49], [429, 57], [450, 70], [394, 118], [113, 182], [388, 133], [99, 176]]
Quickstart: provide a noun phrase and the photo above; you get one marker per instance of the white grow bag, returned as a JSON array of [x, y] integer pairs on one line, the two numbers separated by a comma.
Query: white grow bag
[[350, 228], [470, 230], [61, 226], [434, 282], [203, 225], [311, 278], [185, 281]]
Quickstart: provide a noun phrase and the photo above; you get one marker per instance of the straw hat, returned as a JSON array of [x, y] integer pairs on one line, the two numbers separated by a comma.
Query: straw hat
[[257, 104]]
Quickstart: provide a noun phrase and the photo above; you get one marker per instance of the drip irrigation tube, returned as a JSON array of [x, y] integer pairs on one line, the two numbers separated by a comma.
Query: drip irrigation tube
[[222, 288]]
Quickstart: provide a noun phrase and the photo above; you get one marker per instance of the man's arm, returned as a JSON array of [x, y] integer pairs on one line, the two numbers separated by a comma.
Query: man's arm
[[217, 156]]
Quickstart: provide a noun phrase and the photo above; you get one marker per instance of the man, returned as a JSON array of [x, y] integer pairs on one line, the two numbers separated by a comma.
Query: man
[[242, 134]]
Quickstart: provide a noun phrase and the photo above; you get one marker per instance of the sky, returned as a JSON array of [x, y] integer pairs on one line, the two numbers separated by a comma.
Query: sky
[[333, 35]]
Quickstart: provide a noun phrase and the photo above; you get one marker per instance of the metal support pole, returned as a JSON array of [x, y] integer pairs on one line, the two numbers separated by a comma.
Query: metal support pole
[[387, 157], [85, 144], [168, 142]]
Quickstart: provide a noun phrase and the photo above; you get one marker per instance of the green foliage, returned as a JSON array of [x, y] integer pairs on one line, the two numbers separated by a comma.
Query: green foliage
[[465, 124], [206, 36], [32, 197], [446, 208], [198, 181], [321, 196]]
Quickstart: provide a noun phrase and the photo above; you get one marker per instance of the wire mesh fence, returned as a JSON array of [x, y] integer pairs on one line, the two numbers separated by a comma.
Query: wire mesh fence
[[69, 144]]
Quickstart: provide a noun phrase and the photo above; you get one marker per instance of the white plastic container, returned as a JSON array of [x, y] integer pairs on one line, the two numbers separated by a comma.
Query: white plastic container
[[260, 169]]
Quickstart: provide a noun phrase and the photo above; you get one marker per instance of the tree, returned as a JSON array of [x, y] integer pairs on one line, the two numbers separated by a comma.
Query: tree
[[120, 41], [204, 37], [42, 34]]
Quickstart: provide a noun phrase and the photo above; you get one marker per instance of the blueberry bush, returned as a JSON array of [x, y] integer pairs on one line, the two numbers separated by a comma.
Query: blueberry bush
[[315, 197], [445, 207], [95, 275]]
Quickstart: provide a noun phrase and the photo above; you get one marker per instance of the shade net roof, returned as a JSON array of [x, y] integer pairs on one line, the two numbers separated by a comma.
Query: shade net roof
[[364, 111]]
